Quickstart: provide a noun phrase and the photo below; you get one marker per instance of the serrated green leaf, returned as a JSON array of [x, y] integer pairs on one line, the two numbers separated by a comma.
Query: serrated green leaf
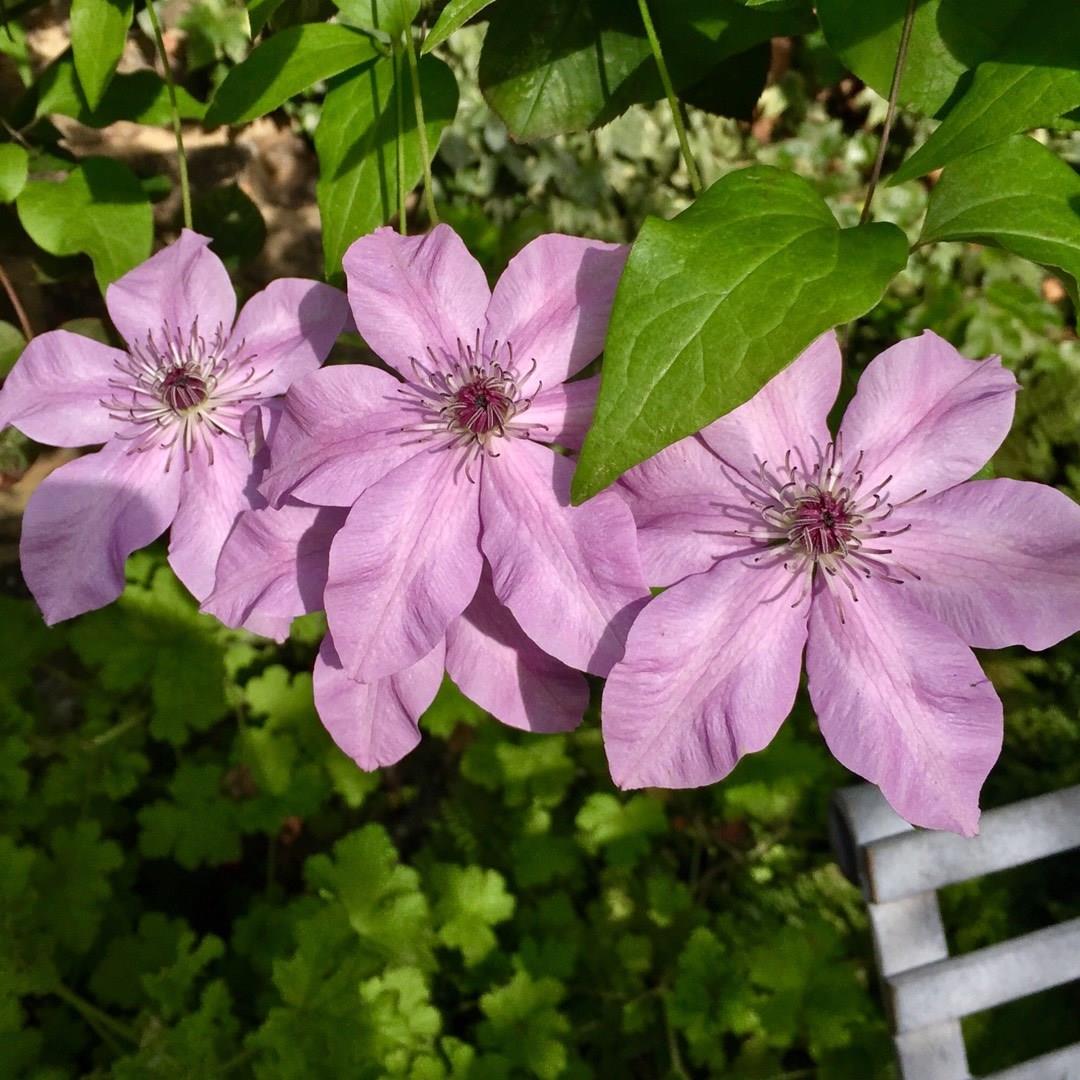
[[1017, 195], [355, 141], [524, 1025], [714, 303], [99, 210], [283, 66], [14, 166], [622, 830], [564, 65], [99, 29], [454, 16], [470, 901]]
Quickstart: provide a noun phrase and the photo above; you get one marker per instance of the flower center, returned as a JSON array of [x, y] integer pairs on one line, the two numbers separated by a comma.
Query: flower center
[[819, 517], [180, 391], [475, 397]]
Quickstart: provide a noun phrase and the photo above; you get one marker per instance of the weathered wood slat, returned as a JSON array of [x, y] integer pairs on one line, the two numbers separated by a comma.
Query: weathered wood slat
[[933, 1053], [914, 862], [957, 987], [1060, 1065]]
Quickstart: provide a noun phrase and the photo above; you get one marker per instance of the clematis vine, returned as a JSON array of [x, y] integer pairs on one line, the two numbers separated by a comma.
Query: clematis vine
[[443, 466], [168, 409], [868, 550]]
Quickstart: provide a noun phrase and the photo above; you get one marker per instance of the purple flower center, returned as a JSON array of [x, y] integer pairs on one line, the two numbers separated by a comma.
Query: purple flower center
[[178, 390], [474, 397], [811, 517]]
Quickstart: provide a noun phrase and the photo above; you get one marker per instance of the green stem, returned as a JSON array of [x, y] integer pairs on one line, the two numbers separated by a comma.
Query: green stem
[[181, 157], [673, 100], [114, 732], [400, 99], [890, 115], [93, 1015], [421, 127]]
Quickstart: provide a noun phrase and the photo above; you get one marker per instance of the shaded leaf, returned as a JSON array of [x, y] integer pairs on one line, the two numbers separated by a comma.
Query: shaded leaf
[[98, 31], [14, 167], [454, 16]]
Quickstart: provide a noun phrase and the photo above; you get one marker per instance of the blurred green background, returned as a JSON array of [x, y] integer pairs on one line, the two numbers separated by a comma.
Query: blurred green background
[[195, 883]]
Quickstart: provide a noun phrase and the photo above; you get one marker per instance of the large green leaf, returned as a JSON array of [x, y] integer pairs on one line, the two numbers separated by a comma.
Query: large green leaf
[[355, 142], [714, 303], [1015, 195], [1032, 80], [454, 16], [947, 39], [98, 31], [260, 12], [569, 65], [140, 96], [392, 17], [99, 209], [287, 63]]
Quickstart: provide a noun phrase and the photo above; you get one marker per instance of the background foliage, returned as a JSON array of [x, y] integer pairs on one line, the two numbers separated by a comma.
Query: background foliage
[[193, 880]]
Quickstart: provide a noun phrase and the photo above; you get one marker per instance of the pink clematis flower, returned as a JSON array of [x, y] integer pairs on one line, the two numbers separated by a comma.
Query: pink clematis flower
[[169, 412], [442, 465], [867, 550], [273, 567]]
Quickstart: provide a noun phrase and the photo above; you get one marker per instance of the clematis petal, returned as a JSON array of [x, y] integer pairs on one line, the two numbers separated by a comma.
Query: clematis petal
[[685, 509], [85, 519], [563, 414], [927, 417], [409, 293], [339, 433], [710, 672], [273, 567], [54, 392], [553, 303], [375, 723], [404, 565], [998, 562], [496, 665], [212, 495], [181, 283], [788, 413], [902, 701], [571, 575], [287, 331]]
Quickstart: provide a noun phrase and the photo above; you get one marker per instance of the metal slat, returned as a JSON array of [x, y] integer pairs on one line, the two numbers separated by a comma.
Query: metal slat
[[933, 1053], [952, 988], [915, 862]]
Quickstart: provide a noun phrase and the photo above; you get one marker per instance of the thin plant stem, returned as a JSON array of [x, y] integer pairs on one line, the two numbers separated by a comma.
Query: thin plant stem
[[181, 157], [890, 115], [421, 128], [16, 303], [400, 99], [115, 732], [92, 1014], [673, 101]]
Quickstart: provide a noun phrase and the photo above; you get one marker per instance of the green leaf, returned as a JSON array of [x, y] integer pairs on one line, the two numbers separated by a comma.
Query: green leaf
[[283, 66], [1017, 195], [1002, 98], [470, 901], [716, 302], [228, 215], [12, 344], [259, 13], [948, 38], [524, 1024], [99, 209], [622, 830], [98, 31], [454, 16], [14, 167], [392, 17], [355, 142], [141, 97], [564, 65]]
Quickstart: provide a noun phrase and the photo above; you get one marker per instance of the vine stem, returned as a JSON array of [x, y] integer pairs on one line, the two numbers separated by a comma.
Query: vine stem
[[890, 114], [94, 1015], [673, 101], [16, 303], [181, 157], [400, 141], [421, 127]]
